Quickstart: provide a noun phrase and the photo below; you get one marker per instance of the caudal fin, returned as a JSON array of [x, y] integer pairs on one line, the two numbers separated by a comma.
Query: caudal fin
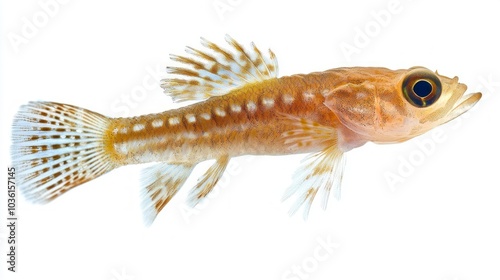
[[56, 147]]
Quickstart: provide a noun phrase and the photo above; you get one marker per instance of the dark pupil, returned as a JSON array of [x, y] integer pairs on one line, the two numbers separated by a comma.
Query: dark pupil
[[422, 88]]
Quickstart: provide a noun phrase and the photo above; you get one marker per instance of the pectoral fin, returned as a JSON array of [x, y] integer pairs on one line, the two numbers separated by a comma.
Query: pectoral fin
[[307, 133], [321, 171]]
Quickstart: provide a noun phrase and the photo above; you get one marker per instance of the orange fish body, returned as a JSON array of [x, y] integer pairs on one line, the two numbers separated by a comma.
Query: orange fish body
[[249, 120], [247, 110]]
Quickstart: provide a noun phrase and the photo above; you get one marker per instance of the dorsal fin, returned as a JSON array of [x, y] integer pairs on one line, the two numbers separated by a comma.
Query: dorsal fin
[[216, 71]]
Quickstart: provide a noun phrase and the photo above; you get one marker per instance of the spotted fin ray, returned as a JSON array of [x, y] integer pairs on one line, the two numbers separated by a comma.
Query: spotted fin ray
[[207, 182], [318, 172], [56, 147], [161, 182], [217, 71]]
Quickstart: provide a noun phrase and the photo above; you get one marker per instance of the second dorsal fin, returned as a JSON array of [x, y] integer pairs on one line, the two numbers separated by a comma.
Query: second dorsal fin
[[217, 71]]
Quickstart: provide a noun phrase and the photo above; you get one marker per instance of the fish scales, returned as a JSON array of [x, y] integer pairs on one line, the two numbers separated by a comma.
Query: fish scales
[[215, 127]]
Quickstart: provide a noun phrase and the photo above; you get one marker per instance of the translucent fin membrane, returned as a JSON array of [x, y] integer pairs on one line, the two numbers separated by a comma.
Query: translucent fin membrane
[[56, 147], [215, 71]]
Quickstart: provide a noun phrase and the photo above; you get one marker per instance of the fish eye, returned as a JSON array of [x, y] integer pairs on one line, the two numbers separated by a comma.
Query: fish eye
[[421, 88]]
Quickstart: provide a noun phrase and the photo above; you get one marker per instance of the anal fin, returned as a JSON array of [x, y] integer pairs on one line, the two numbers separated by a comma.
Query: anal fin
[[161, 182], [318, 172], [207, 181]]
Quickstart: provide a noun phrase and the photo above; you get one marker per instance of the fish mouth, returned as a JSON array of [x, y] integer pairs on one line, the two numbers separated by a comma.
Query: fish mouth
[[463, 105], [456, 105]]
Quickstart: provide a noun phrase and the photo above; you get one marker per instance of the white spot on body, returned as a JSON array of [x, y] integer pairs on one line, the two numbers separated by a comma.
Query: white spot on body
[[205, 116], [190, 135], [190, 118], [220, 112], [251, 107], [235, 108], [115, 131], [268, 102], [157, 123], [287, 99], [173, 121], [124, 130], [138, 127], [308, 96], [121, 148]]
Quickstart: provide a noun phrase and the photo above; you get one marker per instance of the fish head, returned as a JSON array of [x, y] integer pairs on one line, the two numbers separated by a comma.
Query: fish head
[[387, 106]]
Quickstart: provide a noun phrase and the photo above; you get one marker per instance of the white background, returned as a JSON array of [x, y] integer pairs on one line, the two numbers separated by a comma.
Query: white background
[[442, 222]]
